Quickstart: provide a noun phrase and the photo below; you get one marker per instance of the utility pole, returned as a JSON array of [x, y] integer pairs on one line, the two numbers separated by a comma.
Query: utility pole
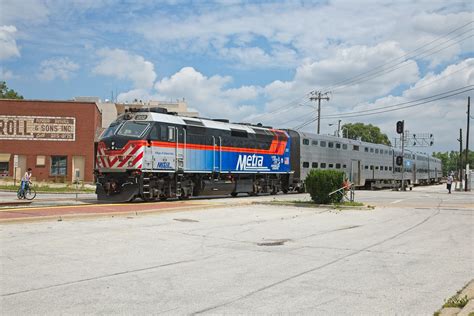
[[317, 95], [467, 140], [338, 128], [460, 158]]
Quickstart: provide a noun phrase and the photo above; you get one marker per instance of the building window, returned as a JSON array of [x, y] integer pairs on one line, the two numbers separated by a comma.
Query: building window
[[314, 165], [58, 165], [356, 148], [314, 143], [305, 164], [331, 145], [305, 141], [40, 161], [323, 143], [323, 165], [338, 166], [344, 146]]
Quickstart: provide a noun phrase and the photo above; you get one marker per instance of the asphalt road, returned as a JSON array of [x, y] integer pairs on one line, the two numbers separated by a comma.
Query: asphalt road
[[405, 257]]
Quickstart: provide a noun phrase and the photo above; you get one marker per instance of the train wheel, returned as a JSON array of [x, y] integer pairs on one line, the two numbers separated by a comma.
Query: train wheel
[[234, 194]]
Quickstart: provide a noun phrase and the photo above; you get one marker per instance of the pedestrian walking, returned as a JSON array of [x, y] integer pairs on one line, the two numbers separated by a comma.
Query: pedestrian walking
[[449, 182]]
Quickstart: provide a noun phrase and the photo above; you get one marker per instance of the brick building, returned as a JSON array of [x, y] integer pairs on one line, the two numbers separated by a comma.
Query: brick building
[[54, 138]]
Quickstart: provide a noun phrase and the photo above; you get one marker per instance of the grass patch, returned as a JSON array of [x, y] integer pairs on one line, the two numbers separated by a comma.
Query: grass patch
[[348, 203], [341, 205], [456, 301], [48, 189]]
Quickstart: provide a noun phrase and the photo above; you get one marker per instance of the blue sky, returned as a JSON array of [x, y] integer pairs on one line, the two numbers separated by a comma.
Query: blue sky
[[252, 61]]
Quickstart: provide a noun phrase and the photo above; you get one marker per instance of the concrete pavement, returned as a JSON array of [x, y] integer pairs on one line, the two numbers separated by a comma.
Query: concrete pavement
[[404, 257]]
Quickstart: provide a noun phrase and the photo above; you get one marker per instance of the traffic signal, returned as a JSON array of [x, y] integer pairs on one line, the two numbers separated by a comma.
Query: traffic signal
[[399, 160], [400, 127]]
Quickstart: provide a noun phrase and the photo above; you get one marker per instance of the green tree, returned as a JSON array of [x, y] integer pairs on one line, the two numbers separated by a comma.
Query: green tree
[[367, 133], [6, 93], [450, 160]]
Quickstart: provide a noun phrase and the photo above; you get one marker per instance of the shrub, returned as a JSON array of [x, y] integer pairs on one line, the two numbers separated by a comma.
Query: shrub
[[319, 183]]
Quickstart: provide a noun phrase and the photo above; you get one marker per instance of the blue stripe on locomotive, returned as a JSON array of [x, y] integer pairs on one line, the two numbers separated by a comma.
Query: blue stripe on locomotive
[[238, 162]]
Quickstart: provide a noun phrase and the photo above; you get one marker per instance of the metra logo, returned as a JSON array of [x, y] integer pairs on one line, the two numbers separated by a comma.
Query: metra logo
[[250, 162], [164, 165]]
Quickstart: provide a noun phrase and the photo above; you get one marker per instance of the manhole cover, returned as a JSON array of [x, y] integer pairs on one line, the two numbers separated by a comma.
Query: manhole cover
[[274, 242], [185, 220]]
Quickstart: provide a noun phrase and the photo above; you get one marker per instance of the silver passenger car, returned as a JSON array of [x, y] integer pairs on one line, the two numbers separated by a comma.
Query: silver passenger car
[[365, 164]]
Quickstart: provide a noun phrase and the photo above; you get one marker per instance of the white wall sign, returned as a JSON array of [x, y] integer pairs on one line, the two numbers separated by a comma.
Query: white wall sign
[[37, 128]]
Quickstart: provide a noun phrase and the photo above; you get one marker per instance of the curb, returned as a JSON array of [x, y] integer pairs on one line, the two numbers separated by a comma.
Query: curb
[[323, 206], [13, 203]]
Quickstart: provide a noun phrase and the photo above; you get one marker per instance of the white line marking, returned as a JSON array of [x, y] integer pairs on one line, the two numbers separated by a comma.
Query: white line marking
[[396, 201]]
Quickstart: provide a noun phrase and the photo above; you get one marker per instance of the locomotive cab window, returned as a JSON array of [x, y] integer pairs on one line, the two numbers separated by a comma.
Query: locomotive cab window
[[133, 129], [111, 130]]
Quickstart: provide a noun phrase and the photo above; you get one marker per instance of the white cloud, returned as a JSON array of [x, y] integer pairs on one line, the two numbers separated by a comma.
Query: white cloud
[[8, 47], [123, 65], [208, 95], [53, 68], [254, 34], [29, 11], [442, 117], [6, 74]]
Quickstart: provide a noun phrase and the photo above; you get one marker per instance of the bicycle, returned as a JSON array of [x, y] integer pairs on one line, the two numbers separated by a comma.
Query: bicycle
[[29, 193]]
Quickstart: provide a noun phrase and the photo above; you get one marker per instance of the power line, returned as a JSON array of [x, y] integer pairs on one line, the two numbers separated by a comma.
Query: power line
[[371, 74], [386, 109], [404, 57]]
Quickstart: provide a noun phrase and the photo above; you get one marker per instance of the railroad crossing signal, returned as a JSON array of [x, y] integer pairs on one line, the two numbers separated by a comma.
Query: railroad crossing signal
[[400, 127], [399, 160]]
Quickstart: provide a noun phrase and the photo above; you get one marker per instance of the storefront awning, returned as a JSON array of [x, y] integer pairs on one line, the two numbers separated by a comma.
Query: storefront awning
[[5, 157]]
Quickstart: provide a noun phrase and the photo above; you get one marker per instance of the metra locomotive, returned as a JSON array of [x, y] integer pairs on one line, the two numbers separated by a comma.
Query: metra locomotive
[[153, 154]]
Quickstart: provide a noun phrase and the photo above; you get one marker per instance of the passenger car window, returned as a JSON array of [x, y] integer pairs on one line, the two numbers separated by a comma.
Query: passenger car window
[[305, 164], [305, 141], [314, 165]]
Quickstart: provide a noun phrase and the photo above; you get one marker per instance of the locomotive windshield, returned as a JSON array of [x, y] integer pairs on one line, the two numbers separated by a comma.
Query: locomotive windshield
[[133, 129], [110, 131]]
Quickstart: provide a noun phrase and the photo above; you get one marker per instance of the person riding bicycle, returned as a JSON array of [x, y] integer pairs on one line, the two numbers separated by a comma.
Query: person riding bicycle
[[26, 181]]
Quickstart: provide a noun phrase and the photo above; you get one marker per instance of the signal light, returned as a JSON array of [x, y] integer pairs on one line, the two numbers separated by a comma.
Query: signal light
[[400, 127], [399, 160]]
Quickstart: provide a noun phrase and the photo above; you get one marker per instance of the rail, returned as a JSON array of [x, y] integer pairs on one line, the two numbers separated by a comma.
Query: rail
[[343, 191]]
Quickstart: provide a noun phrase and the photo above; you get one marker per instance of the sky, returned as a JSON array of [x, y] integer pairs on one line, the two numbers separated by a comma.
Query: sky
[[254, 61]]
